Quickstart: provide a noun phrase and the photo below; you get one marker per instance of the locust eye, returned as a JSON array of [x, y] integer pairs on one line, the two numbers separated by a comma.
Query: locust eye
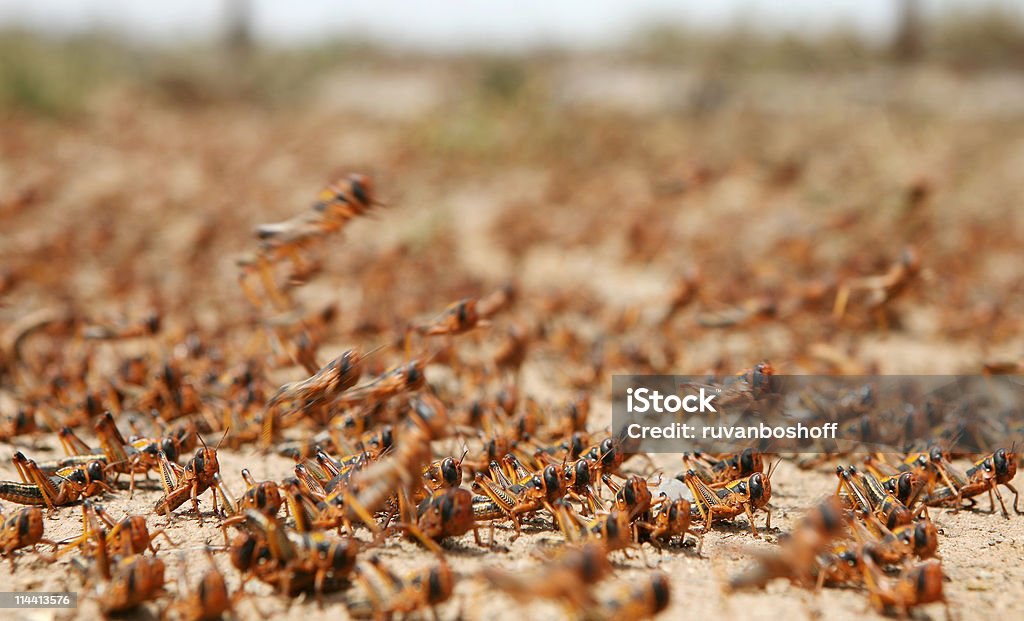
[[1001, 463], [673, 512], [607, 452], [582, 473], [95, 471], [450, 471], [200, 460], [412, 374], [169, 448], [629, 493], [756, 487], [551, 477], [920, 535], [904, 486], [360, 191]]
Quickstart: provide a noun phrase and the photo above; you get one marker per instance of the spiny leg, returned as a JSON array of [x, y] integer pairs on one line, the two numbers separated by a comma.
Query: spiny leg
[[1015, 498]]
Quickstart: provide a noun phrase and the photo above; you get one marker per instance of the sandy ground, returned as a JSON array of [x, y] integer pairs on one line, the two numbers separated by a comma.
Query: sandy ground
[[980, 552]]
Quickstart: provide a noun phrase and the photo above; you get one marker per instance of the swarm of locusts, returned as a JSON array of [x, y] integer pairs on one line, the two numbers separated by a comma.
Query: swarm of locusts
[[440, 447]]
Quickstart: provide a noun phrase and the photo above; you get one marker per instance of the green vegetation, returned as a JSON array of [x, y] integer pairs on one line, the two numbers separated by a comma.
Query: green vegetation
[[987, 37], [57, 76]]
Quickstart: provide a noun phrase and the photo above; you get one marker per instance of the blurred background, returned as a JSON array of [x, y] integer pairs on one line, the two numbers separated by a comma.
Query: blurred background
[[56, 51], [459, 25], [611, 148]]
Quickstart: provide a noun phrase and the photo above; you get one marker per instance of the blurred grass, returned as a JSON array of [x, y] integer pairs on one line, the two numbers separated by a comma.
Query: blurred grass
[[741, 49], [505, 103], [986, 37], [51, 77], [991, 39], [56, 77]]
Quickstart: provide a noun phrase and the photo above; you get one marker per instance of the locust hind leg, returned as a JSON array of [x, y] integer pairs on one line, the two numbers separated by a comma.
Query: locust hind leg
[[195, 501], [1016, 496], [417, 533], [362, 513], [244, 277], [266, 273], [51, 495], [999, 496], [750, 518]]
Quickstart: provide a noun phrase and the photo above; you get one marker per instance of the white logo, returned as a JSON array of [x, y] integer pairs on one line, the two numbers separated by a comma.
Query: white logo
[[644, 400]]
